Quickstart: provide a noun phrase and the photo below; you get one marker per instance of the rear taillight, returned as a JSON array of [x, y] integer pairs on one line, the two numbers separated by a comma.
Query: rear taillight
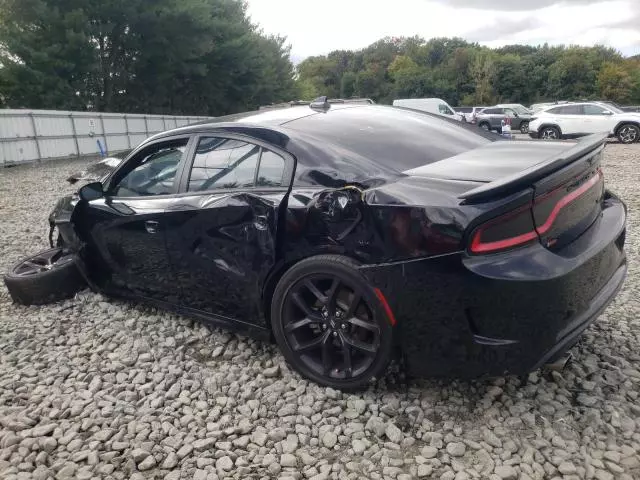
[[510, 230], [517, 228]]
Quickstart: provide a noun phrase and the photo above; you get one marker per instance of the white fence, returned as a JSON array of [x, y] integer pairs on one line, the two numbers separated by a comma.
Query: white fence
[[34, 135]]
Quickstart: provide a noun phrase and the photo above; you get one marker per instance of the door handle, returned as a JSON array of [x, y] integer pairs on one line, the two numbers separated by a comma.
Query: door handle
[[151, 226], [261, 222]]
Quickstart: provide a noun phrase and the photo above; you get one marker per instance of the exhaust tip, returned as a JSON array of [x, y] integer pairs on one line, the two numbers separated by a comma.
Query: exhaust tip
[[560, 364]]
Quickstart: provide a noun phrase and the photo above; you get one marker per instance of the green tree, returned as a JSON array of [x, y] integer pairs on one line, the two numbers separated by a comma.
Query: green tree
[[572, 76], [155, 56], [615, 83]]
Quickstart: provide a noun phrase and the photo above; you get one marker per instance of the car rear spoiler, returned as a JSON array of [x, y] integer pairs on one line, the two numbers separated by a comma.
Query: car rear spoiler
[[524, 178]]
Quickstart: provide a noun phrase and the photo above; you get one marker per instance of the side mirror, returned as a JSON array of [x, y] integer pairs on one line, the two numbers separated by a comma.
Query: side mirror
[[91, 191], [607, 112]]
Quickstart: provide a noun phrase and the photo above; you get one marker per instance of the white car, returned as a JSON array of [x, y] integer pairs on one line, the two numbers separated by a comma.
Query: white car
[[578, 119], [431, 105]]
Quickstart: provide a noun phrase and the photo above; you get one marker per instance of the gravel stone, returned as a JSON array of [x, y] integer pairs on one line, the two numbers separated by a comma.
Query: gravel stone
[[99, 388], [329, 439], [288, 460], [224, 463], [393, 433], [506, 472], [456, 449], [429, 451]]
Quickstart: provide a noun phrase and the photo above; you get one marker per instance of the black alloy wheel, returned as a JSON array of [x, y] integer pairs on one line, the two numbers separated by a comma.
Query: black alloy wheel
[[524, 127], [45, 277], [329, 323]]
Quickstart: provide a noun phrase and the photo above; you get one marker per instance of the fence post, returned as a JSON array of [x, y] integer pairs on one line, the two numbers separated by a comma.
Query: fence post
[[146, 126], [164, 123], [75, 134], [35, 136], [126, 126], [104, 134]]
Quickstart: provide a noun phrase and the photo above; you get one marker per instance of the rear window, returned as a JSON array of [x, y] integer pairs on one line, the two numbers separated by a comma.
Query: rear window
[[463, 109], [492, 111], [354, 144]]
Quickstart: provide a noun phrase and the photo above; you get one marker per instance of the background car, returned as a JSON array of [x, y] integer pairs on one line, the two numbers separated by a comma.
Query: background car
[[436, 106], [517, 107], [491, 119], [578, 119], [539, 106], [469, 113]]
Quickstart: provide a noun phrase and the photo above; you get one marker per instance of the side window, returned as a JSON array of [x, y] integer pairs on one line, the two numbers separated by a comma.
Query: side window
[[492, 111], [442, 108], [271, 170], [510, 113], [153, 171], [223, 163], [591, 109]]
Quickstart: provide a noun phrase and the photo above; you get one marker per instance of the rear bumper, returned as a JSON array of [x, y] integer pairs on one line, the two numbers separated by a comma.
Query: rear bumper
[[466, 316]]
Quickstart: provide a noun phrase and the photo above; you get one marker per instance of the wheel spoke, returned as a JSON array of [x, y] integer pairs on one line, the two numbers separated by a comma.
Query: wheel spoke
[[332, 296], [353, 305], [346, 357], [301, 304], [317, 293], [326, 354], [305, 322], [364, 324], [316, 342], [359, 345]]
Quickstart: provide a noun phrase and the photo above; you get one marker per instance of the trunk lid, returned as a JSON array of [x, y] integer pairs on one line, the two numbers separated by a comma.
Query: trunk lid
[[565, 177]]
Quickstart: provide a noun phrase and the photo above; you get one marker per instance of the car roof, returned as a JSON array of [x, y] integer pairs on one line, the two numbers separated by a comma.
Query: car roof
[[349, 143]]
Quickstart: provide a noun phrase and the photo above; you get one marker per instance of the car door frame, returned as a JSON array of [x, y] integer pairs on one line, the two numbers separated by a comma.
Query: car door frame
[[111, 202], [185, 170], [287, 176]]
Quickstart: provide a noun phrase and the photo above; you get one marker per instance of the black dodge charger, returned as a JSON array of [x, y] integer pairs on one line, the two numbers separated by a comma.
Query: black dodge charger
[[349, 233]]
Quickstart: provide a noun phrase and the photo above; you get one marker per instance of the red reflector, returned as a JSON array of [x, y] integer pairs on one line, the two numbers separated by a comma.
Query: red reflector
[[385, 306]]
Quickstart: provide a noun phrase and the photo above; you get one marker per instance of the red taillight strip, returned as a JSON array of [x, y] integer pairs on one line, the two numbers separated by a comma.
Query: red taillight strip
[[385, 306], [477, 246], [564, 201]]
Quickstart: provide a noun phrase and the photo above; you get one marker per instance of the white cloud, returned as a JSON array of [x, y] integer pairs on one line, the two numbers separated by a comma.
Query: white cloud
[[316, 27]]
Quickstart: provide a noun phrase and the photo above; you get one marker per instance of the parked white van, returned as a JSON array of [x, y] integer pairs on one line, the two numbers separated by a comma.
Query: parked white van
[[431, 105]]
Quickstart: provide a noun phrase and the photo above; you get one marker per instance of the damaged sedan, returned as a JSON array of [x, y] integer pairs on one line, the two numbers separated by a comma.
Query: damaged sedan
[[350, 234]]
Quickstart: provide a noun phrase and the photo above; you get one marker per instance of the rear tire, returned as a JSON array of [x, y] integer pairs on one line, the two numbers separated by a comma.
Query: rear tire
[[330, 325], [550, 133], [524, 127], [628, 133], [485, 126], [46, 277]]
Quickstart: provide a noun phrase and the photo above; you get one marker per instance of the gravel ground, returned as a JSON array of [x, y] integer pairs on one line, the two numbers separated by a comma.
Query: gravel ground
[[93, 388]]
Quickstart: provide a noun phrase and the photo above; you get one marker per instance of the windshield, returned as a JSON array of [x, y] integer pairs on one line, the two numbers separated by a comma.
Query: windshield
[[612, 107], [520, 109]]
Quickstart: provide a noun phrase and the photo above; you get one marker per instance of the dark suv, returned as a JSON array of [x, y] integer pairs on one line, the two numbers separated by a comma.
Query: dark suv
[[491, 119]]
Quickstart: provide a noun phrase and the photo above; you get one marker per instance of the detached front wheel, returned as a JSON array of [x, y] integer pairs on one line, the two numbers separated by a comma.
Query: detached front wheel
[[329, 323], [46, 277]]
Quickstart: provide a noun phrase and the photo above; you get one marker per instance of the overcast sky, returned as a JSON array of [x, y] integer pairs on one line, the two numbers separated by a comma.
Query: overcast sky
[[316, 27]]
